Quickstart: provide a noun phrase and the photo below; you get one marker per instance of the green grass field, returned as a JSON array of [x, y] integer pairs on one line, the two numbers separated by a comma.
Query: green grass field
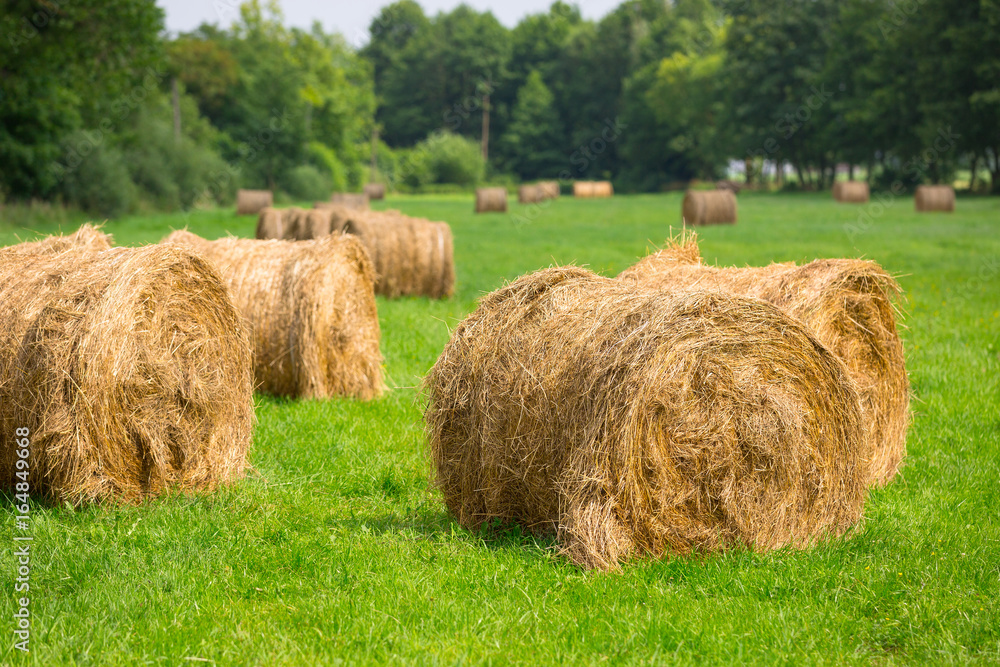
[[334, 549]]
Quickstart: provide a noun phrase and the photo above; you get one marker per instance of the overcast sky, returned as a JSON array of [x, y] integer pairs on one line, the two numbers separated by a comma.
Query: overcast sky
[[352, 18]]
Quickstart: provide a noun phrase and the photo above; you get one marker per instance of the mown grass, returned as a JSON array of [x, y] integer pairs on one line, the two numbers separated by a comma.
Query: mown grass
[[334, 549]]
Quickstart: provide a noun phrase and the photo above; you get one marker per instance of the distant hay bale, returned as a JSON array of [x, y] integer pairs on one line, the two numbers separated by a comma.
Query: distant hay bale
[[592, 189], [848, 304], [315, 223], [411, 256], [374, 190], [935, 198], [491, 200], [271, 223], [311, 306], [530, 194], [88, 236], [630, 423], [130, 368], [708, 207], [355, 200], [850, 192], [550, 189], [250, 202]]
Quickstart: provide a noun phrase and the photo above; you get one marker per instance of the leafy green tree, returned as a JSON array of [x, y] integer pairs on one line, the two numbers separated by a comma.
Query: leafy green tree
[[533, 140]]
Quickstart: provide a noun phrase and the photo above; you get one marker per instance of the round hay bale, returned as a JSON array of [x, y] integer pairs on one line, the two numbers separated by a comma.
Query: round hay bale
[[374, 190], [848, 304], [411, 256], [602, 189], [935, 198], [314, 223], [88, 236], [270, 223], [631, 423], [708, 207], [130, 368], [311, 307], [250, 202], [550, 189], [353, 200], [583, 189], [835, 190], [530, 194], [851, 192], [491, 200]]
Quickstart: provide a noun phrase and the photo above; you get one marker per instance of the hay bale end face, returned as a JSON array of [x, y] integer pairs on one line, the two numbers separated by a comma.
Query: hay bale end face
[[630, 423], [851, 192], [270, 223], [708, 207], [374, 190], [161, 391], [311, 306], [934, 198], [592, 189], [491, 200], [250, 202], [848, 304]]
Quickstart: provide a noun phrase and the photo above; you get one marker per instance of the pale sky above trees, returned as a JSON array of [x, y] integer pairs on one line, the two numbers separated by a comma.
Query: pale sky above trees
[[352, 17]]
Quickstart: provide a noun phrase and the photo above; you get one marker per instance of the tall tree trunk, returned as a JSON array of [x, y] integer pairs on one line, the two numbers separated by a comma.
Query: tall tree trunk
[[748, 169], [176, 101], [850, 172], [972, 172], [798, 172]]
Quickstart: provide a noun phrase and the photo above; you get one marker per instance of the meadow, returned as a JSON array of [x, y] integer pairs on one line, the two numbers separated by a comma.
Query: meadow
[[335, 549]]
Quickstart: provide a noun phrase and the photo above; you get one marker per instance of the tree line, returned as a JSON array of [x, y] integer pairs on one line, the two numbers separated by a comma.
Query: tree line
[[102, 109]]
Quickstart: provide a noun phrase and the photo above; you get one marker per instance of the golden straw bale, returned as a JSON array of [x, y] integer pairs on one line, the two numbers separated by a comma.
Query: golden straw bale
[[583, 189], [354, 200], [601, 189], [550, 189], [412, 256], [935, 198], [130, 368], [88, 236], [631, 423], [311, 306], [270, 223], [848, 304], [250, 202], [491, 200], [374, 190], [708, 207], [530, 194], [851, 192]]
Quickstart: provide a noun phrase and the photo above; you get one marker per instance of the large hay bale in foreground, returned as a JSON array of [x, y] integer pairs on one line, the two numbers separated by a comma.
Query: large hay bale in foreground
[[848, 304], [374, 190], [311, 305], [250, 202], [550, 189], [530, 194], [412, 256], [935, 198], [130, 368], [708, 207], [491, 200], [851, 192], [88, 236], [631, 423], [355, 200]]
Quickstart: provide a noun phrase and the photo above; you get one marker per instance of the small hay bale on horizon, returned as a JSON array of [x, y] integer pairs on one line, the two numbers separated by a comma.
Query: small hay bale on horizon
[[851, 192], [934, 198], [530, 194], [374, 190], [851, 307], [550, 189], [250, 202], [491, 200], [592, 189], [311, 307], [709, 207], [355, 200], [631, 423], [131, 369]]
